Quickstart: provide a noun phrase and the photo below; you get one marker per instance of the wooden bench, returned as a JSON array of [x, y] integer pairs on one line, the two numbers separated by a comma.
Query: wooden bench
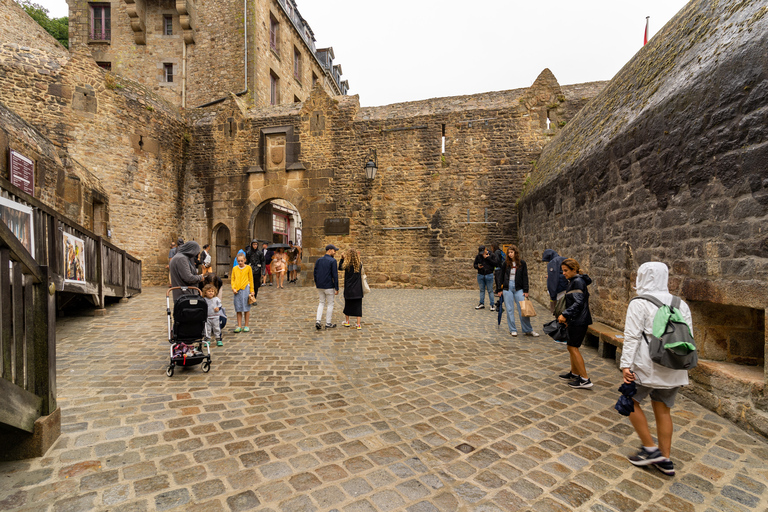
[[606, 338]]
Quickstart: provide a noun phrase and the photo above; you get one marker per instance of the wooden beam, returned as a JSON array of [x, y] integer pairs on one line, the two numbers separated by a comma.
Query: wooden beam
[[18, 326], [20, 408], [6, 314], [20, 253]]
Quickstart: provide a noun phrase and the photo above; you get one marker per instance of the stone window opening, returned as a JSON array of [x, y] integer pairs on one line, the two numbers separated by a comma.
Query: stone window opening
[[274, 29], [314, 79], [548, 120], [274, 83], [167, 25], [443, 142], [105, 65], [168, 72], [101, 22], [141, 141], [730, 334], [296, 64], [296, 99]]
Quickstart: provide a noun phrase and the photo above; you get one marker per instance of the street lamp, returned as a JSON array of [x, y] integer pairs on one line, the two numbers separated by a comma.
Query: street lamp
[[372, 166]]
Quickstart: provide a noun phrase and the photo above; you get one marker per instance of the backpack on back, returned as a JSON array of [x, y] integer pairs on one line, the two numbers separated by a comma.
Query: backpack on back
[[675, 348]]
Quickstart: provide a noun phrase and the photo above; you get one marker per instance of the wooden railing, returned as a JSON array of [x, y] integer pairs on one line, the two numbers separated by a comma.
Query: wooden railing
[[108, 272], [28, 339]]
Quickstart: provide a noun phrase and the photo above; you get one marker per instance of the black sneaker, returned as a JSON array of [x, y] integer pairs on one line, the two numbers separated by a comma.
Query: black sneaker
[[480, 306], [645, 458], [567, 376], [580, 383], [330, 326], [665, 467], [318, 326]]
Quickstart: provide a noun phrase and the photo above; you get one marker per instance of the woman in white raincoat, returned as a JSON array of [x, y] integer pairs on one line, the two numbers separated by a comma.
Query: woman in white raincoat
[[659, 382]]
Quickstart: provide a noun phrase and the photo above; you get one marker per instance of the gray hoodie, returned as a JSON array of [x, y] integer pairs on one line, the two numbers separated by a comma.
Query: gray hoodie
[[182, 267]]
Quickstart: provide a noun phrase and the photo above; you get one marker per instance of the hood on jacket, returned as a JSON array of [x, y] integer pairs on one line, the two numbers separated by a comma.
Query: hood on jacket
[[548, 255], [189, 249], [652, 279], [584, 277]]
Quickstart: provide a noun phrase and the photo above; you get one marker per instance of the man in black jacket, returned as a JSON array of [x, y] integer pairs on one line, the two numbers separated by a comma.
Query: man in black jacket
[[255, 258], [485, 262], [327, 283]]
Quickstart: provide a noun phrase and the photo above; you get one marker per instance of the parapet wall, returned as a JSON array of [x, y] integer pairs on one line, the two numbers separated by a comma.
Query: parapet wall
[[669, 163]]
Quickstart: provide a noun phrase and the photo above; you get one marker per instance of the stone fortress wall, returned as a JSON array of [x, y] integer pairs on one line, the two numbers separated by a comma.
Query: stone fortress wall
[[129, 138], [670, 163], [492, 140]]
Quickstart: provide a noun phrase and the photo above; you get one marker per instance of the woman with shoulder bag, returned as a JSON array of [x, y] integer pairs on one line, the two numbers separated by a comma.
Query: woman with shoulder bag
[[577, 318], [512, 282], [353, 286]]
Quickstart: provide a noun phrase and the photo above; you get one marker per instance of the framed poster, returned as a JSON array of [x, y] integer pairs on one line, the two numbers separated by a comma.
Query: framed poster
[[74, 259], [23, 172], [18, 218]]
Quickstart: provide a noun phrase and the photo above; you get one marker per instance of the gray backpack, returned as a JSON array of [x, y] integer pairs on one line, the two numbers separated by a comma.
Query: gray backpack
[[675, 348]]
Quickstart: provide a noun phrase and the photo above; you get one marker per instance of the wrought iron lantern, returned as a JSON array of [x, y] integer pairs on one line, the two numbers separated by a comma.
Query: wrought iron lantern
[[372, 166]]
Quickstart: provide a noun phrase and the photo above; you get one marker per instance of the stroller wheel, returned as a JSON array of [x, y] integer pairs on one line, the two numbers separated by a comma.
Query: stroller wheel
[[206, 366], [169, 371]]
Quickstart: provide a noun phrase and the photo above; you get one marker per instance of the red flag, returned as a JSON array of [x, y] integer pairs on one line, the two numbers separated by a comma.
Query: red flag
[[645, 35]]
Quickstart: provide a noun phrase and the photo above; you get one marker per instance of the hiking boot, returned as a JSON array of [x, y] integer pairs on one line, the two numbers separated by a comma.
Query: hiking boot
[[580, 383], [480, 306], [665, 467], [568, 376], [645, 458], [318, 326]]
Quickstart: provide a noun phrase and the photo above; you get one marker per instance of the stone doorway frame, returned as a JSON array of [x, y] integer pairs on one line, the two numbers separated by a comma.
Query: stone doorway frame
[[215, 234]]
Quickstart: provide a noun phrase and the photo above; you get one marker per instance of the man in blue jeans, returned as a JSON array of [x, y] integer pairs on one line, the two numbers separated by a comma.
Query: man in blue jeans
[[485, 263], [327, 283]]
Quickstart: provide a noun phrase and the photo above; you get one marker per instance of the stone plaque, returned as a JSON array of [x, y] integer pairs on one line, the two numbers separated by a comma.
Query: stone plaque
[[23, 173], [276, 152], [338, 226]]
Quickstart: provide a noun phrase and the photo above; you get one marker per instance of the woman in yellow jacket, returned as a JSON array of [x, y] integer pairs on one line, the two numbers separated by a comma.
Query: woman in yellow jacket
[[242, 284]]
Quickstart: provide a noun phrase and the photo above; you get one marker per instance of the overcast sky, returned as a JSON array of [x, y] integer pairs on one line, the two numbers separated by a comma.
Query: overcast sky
[[405, 50]]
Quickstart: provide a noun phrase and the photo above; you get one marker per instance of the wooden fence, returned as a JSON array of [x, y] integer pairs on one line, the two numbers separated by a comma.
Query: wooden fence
[[35, 263]]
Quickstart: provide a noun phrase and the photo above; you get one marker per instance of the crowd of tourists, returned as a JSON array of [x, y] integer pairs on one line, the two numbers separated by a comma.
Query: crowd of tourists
[[645, 360]]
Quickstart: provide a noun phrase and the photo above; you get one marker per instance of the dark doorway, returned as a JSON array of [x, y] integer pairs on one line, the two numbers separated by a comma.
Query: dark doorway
[[223, 251]]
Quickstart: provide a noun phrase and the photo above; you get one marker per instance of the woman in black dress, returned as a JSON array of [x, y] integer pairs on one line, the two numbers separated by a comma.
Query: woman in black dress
[[353, 286]]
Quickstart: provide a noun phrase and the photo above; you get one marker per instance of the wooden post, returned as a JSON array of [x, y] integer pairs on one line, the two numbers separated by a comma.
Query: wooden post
[[125, 274], [100, 270], [6, 313], [29, 334], [45, 342], [18, 326]]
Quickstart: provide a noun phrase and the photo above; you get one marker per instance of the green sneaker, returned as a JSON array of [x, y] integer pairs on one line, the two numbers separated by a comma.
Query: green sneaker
[[246, 329], [237, 329], [219, 343]]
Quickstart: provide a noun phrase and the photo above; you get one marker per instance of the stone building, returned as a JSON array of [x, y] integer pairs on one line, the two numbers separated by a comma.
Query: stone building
[[670, 163], [192, 52]]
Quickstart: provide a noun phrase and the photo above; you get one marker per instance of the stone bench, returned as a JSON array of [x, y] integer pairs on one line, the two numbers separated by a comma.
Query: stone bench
[[606, 338]]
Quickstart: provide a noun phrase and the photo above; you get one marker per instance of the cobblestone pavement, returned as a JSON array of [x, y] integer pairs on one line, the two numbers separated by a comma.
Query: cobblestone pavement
[[431, 407]]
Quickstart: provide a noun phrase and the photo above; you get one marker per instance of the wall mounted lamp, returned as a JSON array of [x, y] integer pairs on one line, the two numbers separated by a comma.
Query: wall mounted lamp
[[372, 166]]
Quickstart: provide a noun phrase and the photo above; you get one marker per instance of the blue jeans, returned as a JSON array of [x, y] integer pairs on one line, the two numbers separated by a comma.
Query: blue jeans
[[511, 299], [486, 283]]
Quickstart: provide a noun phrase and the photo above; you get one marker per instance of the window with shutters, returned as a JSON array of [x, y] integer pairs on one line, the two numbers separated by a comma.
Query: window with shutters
[[101, 22]]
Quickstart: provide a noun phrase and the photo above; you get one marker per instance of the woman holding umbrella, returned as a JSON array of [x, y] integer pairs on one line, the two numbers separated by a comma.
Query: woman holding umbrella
[[353, 286]]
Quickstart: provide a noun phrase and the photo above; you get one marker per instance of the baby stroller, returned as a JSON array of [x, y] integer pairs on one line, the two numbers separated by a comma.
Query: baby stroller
[[186, 337]]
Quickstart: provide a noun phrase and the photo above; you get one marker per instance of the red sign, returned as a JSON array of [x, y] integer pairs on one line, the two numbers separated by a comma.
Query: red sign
[[23, 173]]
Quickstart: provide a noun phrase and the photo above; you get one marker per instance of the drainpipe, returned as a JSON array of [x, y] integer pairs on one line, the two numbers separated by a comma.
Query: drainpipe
[[184, 74], [245, 28]]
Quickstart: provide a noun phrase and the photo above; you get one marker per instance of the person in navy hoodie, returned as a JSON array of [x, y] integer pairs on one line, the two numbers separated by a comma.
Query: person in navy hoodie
[[327, 283]]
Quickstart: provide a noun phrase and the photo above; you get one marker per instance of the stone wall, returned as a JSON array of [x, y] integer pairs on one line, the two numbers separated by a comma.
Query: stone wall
[[132, 140], [408, 222], [669, 163], [61, 183], [20, 29]]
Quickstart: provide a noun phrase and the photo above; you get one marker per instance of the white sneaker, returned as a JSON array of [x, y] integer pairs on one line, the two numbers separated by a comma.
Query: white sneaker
[[480, 306], [493, 308], [532, 333], [513, 333]]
